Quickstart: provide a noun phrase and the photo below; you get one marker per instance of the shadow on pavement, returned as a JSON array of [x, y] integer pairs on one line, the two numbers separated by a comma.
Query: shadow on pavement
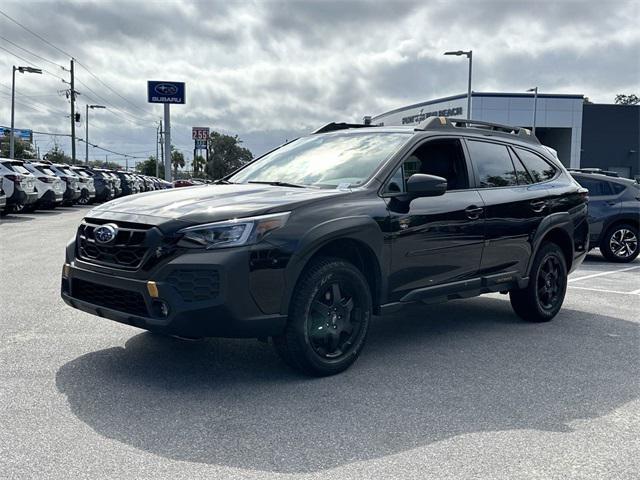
[[15, 218], [426, 374]]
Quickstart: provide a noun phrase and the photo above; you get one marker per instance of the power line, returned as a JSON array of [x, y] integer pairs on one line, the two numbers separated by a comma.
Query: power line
[[106, 85], [71, 56], [35, 34], [31, 53], [30, 62], [104, 100]]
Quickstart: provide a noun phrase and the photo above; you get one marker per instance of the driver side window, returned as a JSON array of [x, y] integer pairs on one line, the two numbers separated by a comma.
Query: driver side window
[[442, 158]]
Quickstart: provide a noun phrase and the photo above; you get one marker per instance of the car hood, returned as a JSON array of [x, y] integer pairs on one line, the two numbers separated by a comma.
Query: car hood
[[208, 203]]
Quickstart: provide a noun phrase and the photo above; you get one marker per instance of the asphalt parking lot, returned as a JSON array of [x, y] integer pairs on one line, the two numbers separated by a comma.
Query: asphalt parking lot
[[451, 391]]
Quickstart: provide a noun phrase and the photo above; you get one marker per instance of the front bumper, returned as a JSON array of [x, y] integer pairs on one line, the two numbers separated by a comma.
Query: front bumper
[[226, 311]]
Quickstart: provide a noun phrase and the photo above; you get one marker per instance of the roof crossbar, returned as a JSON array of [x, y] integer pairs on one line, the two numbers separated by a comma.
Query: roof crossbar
[[437, 123], [333, 126]]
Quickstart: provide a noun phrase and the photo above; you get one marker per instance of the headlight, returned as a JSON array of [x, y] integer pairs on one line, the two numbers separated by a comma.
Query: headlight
[[232, 233]]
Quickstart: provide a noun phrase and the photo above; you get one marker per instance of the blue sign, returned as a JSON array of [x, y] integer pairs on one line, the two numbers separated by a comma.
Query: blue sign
[[165, 92], [22, 134]]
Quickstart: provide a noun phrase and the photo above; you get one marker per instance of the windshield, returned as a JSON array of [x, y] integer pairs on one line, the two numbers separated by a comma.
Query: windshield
[[330, 160]]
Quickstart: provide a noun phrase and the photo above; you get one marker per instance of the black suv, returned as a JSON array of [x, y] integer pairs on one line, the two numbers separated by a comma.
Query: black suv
[[614, 214], [304, 244]]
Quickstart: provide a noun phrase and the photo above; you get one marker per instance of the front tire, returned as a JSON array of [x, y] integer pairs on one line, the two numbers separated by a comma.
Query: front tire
[[620, 243], [328, 320], [542, 298]]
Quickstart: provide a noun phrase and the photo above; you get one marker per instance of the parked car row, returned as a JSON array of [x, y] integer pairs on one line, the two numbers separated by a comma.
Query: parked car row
[[39, 184]]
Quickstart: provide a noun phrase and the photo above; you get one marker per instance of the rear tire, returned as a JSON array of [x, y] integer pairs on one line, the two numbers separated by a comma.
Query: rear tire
[[620, 243], [328, 320], [542, 298]]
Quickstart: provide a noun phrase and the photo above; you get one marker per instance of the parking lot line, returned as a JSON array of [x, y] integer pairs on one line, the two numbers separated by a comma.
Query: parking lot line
[[635, 292], [603, 273]]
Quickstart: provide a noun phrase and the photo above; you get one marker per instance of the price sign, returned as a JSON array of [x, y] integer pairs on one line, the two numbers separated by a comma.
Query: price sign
[[199, 133]]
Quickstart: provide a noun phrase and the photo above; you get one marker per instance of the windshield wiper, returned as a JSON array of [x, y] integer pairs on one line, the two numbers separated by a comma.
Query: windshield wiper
[[222, 181], [278, 184]]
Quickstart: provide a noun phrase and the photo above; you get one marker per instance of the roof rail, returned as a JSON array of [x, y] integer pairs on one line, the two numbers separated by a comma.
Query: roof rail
[[436, 123], [333, 126]]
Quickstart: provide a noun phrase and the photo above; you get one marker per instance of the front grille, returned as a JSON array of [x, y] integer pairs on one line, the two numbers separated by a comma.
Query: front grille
[[126, 251], [195, 285], [109, 297]]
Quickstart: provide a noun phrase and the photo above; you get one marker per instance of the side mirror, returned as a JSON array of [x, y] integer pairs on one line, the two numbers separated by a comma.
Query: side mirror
[[423, 185]]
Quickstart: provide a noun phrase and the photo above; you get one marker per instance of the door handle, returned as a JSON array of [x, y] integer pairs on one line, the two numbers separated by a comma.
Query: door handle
[[611, 203], [538, 206], [473, 212]]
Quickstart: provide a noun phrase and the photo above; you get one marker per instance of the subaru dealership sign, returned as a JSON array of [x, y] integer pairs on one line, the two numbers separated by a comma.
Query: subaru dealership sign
[[165, 92]]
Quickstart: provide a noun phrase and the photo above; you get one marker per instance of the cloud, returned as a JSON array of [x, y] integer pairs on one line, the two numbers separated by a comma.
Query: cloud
[[272, 70]]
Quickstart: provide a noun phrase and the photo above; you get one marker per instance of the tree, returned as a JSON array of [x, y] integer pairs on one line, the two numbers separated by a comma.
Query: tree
[[199, 164], [177, 160], [21, 149], [105, 164], [148, 167], [57, 155], [225, 155], [622, 99]]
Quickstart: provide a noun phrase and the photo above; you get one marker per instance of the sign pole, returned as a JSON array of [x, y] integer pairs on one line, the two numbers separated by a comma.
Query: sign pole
[[168, 174]]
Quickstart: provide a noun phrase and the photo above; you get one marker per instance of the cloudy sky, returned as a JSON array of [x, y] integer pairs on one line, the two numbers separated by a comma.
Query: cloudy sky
[[271, 70]]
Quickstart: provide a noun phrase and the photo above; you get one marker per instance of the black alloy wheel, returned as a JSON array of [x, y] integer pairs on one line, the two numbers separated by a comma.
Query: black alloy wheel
[[620, 244], [328, 318], [542, 298], [84, 197], [334, 323]]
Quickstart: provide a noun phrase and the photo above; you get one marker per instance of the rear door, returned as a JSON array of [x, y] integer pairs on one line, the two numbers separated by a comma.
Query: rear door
[[514, 206]]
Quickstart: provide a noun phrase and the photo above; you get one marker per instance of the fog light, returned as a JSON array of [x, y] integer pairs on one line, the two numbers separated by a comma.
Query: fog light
[[160, 308], [65, 270], [153, 289]]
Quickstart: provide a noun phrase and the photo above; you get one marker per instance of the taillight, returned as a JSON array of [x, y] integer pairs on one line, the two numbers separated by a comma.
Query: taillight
[[14, 178]]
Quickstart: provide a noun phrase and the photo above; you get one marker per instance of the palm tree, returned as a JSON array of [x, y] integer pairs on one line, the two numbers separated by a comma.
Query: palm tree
[[177, 160], [198, 164]]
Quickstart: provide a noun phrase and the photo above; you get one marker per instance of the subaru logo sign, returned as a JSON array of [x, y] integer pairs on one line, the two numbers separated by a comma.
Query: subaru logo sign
[[105, 233], [165, 92], [165, 89]]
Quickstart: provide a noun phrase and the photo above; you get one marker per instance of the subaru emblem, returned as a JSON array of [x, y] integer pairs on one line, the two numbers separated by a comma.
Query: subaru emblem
[[105, 233], [166, 89]]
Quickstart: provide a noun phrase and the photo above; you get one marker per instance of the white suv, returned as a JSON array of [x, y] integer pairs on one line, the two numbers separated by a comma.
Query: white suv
[[50, 187], [18, 185]]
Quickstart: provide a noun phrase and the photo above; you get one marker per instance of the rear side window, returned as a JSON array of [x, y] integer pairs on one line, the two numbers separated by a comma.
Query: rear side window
[[493, 163], [19, 168], [597, 188], [539, 169], [617, 188]]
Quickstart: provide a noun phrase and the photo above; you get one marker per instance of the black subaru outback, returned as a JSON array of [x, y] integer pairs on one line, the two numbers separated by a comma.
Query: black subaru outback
[[304, 244]]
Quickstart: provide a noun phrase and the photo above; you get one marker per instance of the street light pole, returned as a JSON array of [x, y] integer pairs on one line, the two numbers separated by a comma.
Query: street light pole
[[469, 55], [86, 131], [535, 107], [13, 104]]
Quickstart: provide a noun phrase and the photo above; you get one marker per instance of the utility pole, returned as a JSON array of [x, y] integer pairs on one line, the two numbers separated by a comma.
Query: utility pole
[[158, 130], [72, 96], [168, 176], [161, 149]]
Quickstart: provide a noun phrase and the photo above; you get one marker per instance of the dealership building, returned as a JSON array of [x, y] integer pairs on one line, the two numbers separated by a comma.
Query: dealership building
[[584, 134]]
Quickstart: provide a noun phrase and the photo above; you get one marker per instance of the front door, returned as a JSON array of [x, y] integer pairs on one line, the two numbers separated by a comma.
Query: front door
[[434, 240]]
